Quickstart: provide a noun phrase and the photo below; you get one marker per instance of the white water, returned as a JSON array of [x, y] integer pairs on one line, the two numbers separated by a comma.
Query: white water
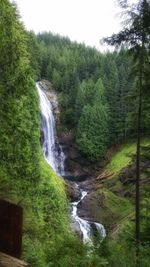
[[55, 157], [85, 226], [101, 230], [52, 150]]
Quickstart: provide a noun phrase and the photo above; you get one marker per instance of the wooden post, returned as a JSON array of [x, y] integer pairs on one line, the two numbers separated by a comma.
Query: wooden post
[[11, 219]]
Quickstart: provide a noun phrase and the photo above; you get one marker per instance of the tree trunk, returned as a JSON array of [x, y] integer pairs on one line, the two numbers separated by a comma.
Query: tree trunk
[[137, 205], [137, 200]]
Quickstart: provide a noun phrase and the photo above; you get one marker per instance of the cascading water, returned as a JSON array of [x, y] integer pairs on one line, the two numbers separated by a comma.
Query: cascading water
[[85, 226], [52, 150], [55, 157]]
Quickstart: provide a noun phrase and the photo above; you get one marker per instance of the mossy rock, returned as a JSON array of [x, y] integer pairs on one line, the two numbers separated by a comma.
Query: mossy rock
[[105, 207]]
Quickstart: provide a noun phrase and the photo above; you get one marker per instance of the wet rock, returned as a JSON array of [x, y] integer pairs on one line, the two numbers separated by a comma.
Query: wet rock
[[72, 192], [52, 96], [88, 210]]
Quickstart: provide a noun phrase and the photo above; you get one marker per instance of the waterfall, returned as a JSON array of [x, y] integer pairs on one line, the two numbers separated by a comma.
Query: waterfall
[[52, 150], [55, 157], [85, 226]]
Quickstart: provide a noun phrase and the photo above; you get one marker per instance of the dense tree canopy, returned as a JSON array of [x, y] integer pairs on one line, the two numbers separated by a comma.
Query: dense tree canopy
[[136, 36], [74, 69], [99, 100], [19, 111]]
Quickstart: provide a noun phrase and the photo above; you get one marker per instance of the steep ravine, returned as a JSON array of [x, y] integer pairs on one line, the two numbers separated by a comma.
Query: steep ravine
[[55, 157], [109, 187]]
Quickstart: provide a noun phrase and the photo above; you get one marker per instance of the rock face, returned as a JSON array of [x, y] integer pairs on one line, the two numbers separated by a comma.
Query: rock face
[[52, 96], [91, 208], [78, 167], [71, 191]]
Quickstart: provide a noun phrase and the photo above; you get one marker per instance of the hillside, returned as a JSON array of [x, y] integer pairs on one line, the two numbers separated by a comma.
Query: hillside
[[112, 193], [25, 177], [79, 145]]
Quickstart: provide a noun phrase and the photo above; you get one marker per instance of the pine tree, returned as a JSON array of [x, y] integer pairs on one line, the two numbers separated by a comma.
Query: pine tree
[[92, 130], [19, 124], [136, 35]]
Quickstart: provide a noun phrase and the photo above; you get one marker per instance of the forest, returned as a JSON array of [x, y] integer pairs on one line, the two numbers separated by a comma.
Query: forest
[[96, 91], [104, 102]]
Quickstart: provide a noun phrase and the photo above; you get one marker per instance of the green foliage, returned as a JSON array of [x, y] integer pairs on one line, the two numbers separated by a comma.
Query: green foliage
[[124, 246], [66, 64], [25, 177], [19, 112], [73, 69], [85, 94], [13, 53], [124, 156], [118, 84], [35, 55], [92, 131], [111, 209], [96, 109], [46, 219]]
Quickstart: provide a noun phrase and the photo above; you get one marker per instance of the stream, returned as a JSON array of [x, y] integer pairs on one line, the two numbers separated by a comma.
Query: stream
[[54, 155]]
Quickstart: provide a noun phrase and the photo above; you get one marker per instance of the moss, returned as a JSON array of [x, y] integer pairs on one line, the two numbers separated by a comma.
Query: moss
[[113, 208], [124, 156], [25, 177], [116, 209], [45, 211]]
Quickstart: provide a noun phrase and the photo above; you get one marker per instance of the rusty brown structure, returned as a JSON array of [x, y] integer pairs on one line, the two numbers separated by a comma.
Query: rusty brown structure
[[11, 220]]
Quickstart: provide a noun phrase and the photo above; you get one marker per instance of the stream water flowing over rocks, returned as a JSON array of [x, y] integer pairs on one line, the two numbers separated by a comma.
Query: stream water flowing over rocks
[[55, 157]]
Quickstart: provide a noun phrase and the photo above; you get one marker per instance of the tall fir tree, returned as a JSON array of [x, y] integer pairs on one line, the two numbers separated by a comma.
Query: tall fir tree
[[136, 35], [92, 131], [19, 124]]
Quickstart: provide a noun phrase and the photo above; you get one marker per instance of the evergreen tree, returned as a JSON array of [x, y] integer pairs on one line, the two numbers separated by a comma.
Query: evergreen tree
[[92, 130], [136, 36], [34, 52], [19, 124], [85, 96]]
